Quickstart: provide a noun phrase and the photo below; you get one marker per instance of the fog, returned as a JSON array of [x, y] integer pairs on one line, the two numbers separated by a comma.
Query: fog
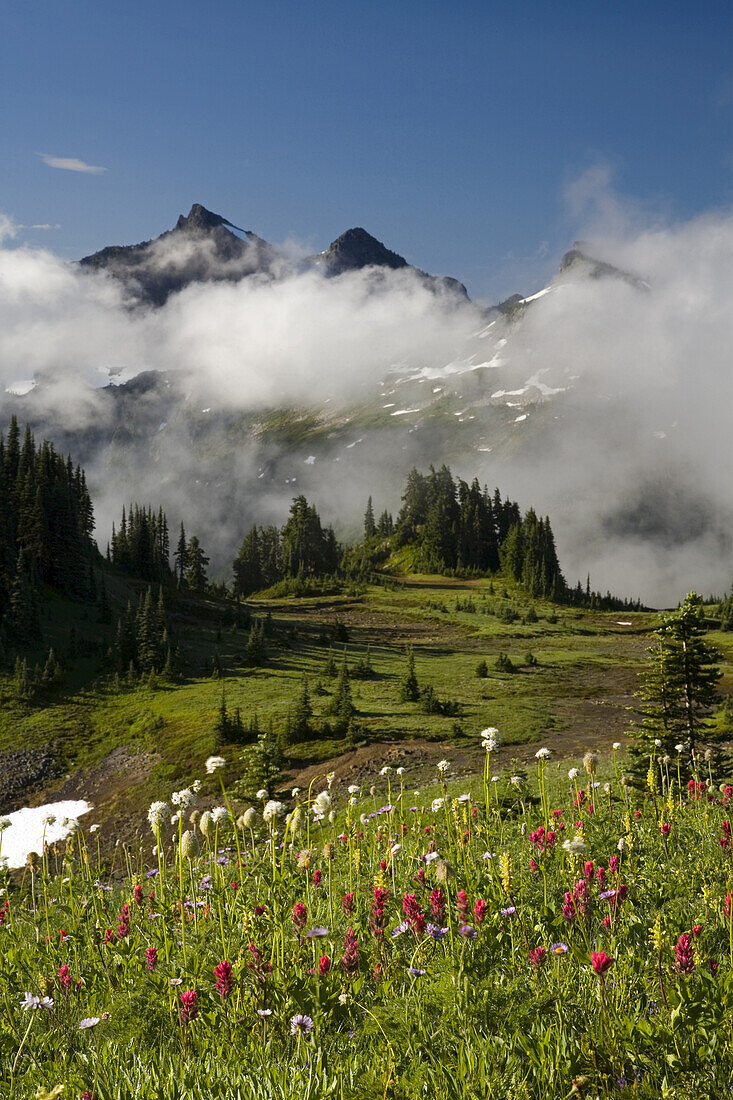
[[632, 459]]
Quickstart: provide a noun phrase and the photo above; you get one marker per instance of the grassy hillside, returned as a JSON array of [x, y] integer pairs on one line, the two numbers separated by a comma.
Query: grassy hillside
[[120, 744]]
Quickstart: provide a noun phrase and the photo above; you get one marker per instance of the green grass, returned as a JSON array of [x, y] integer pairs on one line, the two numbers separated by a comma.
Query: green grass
[[577, 697]]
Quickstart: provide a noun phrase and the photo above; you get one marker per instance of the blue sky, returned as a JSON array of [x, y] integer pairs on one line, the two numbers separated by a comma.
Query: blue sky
[[449, 130]]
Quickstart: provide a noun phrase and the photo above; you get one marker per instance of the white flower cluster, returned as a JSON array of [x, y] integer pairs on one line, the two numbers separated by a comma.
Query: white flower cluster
[[443, 766], [437, 804], [490, 739], [184, 798], [322, 804], [272, 810], [219, 814], [214, 763], [158, 815], [576, 846], [543, 754]]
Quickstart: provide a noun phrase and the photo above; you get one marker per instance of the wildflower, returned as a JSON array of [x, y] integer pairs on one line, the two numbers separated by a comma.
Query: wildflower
[[89, 1021], [347, 903], [437, 805], [157, 816], [317, 876], [616, 746], [684, 955], [443, 871], [568, 909], [176, 981], [190, 847], [416, 972], [665, 828], [559, 948], [206, 824], [590, 762], [29, 1001], [64, 978], [350, 960], [401, 772], [249, 817], [543, 754], [607, 895], [573, 773], [443, 766], [479, 911], [537, 957], [262, 795], [300, 915], [316, 933], [214, 763], [576, 846], [151, 958], [353, 789], [184, 798], [463, 906], [436, 932], [92, 828], [220, 813], [189, 1006], [123, 925], [272, 810], [386, 770], [601, 962], [437, 904], [516, 781], [324, 965], [300, 1025], [509, 911], [322, 803], [330, 778], [264, 1012], [468, 932]]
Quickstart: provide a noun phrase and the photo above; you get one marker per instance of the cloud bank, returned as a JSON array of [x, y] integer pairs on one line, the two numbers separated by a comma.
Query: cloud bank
[[71, 164], [632, 460]]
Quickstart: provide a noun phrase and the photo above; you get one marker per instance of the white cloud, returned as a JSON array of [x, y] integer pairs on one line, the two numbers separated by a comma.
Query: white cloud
[[71, 164]]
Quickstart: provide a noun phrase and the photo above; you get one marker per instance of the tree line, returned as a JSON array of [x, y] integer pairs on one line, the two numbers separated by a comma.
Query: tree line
[[46, 525]]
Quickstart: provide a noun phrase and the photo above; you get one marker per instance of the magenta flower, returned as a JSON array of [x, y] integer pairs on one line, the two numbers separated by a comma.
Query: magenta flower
[[224, 979], [189, 1005]]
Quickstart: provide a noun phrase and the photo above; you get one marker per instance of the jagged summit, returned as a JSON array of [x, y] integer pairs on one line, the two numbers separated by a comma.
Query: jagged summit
[[200, 219], [356, 249], [578, 259]]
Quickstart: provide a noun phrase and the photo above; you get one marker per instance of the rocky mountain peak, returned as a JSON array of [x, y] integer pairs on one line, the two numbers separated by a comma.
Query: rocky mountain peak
[[355, 249]]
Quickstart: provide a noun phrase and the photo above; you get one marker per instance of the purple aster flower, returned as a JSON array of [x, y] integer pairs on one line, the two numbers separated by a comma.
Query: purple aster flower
[[222, 861], [151, 873], [300, 1024], [436, 932], [316, 933], [413, 809], [90, 1021], [416, 973], [468, 932], [509, 911], [559, 948], [404, 927], [607, 895], [176, 981], [264, 1012]]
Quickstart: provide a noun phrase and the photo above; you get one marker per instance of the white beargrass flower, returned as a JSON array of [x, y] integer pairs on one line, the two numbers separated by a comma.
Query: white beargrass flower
[[401, 771], [543, 754], [573, 773], [262, 795], [516, 781], [295, 792], [184, 798], [214, 763], [330, 778], [364, 819], [158, 815], [353, 801], [322, 804], [353, 789], [386, 770], [175, 818], [219, 813], [680, 747], [616, 746], [189, 845], [272, 810], [249, 817], [443, 766], [92, 828], [576, 846], [206, 824], [196, 786], [437, 805]]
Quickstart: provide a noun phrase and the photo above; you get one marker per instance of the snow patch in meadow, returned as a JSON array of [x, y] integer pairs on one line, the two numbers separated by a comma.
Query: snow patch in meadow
[[26, 830]]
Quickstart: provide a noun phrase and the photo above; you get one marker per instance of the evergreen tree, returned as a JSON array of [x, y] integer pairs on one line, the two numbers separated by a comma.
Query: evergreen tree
[[196, 565], [678, 689], [409, 688], [370, 529], [342, 704], [180, 558]]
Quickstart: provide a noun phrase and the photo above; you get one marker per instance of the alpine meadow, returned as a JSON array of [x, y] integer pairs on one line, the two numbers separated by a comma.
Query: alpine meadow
[[366, 607]]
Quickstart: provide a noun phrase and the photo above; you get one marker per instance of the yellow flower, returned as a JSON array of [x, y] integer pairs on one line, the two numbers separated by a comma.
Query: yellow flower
[[48, 1094]]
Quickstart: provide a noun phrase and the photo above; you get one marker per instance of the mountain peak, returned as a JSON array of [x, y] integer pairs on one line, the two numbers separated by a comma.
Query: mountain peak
[[200, 219], [355, 249]]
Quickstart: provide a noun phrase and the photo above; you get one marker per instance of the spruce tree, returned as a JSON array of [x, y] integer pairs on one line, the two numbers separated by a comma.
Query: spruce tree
[[409, 687], [370, 529], [678, 690]]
